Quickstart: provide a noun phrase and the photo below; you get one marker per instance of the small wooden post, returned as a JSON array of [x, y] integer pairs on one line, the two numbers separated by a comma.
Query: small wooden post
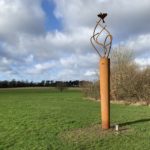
[[105, 92]]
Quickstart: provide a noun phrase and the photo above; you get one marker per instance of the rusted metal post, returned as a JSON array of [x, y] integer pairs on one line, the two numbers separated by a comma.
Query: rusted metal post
[[104, 92], [103, 52]]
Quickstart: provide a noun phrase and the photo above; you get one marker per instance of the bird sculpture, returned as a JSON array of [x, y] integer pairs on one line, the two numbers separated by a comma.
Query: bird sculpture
[[102, 16]]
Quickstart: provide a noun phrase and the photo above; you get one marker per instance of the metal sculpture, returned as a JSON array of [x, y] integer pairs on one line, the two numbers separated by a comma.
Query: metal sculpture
[[106, 44], [104, 51]]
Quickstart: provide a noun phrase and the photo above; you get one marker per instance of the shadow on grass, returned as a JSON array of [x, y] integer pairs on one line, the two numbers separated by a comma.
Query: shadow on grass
[[134, 122]]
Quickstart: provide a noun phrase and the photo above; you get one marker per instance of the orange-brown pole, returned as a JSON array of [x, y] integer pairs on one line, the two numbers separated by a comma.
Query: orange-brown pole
[[105, 92]]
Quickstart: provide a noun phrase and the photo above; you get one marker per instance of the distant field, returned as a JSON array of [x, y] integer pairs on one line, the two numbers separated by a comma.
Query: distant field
[[45, 119]]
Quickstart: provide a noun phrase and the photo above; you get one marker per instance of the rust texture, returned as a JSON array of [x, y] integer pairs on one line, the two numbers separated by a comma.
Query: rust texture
[[104, 92], [103, 47]]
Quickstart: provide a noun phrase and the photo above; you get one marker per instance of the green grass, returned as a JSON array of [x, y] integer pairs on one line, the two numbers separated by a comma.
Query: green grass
[[44, 119]]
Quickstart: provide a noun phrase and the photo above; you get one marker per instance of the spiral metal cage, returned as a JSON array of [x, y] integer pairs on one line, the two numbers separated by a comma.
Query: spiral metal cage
[[105, 45]]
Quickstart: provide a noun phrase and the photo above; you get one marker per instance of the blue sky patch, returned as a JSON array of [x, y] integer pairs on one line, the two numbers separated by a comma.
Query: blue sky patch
[[51, 22]]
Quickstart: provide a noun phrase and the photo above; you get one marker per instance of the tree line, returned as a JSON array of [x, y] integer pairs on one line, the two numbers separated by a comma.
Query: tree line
[[44, 83]]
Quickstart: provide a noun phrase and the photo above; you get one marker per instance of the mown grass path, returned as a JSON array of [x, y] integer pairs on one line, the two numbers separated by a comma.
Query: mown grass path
[[44, 119]]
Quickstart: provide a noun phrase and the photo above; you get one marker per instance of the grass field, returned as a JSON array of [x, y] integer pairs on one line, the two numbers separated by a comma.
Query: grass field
[[44, 119]]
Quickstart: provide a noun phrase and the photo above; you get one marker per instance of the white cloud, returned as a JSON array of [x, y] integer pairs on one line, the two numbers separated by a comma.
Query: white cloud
[[90, 73], [67, 53], [143, 61], [40, 68], [52, 45], [29, 59], [125, 18], [140, 45], [20, 16], [5, 61], [140, 42], [78, 61], [76, 13], [4, 64]]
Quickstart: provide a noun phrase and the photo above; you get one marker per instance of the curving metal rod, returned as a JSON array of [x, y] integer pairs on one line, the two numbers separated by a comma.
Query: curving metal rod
[[104, 45]]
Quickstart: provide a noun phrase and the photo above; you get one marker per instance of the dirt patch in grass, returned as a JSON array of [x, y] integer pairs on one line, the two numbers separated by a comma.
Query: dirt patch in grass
[[91, 133]]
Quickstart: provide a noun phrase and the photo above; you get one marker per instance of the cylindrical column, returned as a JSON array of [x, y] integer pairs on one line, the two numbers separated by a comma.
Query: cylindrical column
[[105, 92]]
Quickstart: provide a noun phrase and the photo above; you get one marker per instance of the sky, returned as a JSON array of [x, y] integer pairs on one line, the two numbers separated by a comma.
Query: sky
[[50, 39]]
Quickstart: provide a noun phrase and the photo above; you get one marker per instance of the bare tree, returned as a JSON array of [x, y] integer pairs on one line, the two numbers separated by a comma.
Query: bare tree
[[61, 86], [128, 80]]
